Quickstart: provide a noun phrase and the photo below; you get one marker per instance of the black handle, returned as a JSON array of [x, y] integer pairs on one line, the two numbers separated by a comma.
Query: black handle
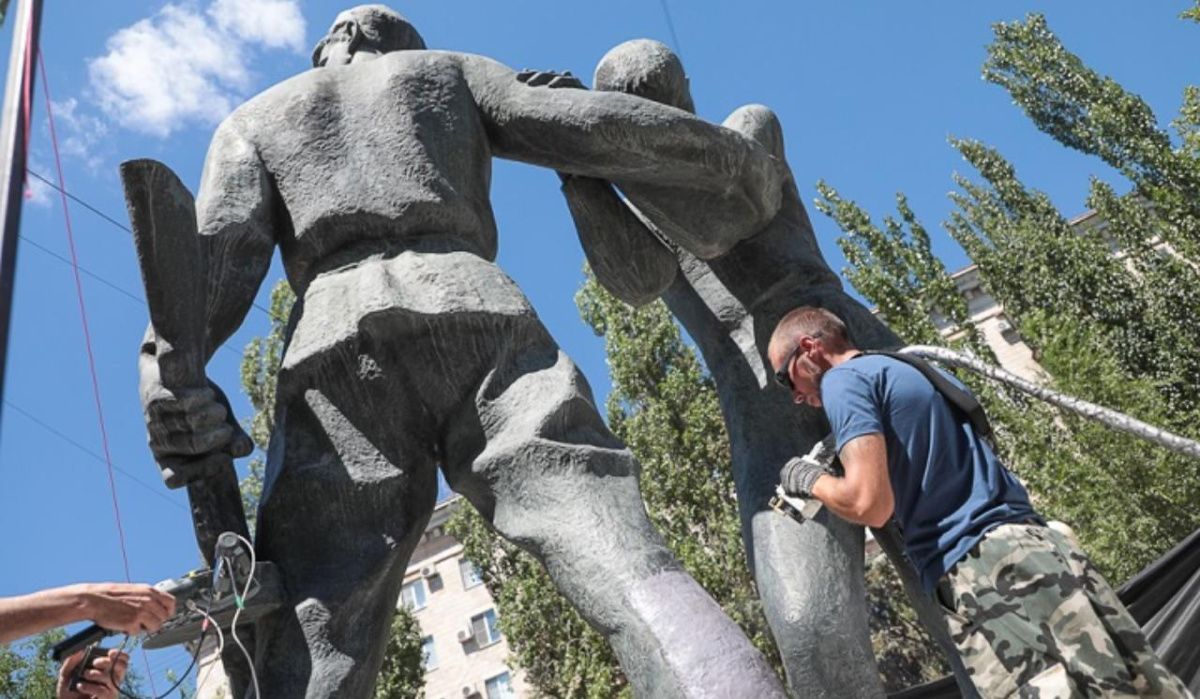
[[64, 649]]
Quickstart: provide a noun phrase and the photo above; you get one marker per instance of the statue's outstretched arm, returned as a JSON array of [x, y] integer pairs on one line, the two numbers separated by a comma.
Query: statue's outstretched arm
[[619, 137], [235, 214]]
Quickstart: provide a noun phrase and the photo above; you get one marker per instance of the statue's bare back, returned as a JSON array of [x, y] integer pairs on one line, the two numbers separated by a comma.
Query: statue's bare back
[[391, 149]]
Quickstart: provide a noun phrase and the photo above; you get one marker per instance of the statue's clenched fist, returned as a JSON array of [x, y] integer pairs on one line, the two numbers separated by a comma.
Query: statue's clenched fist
[[192, 431]]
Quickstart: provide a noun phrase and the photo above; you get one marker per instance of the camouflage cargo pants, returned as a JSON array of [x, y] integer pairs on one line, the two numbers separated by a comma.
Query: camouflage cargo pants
[[1032, 618]]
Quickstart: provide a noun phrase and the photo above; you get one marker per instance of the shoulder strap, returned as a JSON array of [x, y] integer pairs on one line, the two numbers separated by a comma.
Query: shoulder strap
[[963, 401]]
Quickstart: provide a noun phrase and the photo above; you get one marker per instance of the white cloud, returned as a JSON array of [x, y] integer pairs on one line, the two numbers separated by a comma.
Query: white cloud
[[182, 66], [80, 134], [273, 23]]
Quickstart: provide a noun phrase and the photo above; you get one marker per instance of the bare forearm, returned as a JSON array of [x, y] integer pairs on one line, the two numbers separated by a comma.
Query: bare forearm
[[31, 614], [624, 255], [237, 267], [235, 216], [833, 493]]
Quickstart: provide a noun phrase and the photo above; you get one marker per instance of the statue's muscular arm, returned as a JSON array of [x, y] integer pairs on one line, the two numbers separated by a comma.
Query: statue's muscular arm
[[235, 214], [619, 137], [624, 255], [235, 219]]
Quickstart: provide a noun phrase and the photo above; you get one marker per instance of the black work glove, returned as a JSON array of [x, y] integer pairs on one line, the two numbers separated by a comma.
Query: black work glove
[[800, 473]]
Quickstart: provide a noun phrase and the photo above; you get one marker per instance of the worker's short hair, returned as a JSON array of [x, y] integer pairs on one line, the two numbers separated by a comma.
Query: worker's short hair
[[813, 322]]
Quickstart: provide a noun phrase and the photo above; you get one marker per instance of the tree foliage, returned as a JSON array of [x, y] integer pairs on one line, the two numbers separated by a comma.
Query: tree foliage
[[261, 360], [27, 672], [26, 669], [403, 673], [402, 676], [665, 408]]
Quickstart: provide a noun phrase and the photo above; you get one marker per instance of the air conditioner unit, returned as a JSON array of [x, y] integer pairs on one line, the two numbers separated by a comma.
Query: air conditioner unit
[[465, 635], [428, 572], [469, 691], [1004, 326]]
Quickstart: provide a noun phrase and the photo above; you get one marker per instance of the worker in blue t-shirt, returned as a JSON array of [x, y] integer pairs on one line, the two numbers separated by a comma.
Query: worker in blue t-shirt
[[1028, 612]]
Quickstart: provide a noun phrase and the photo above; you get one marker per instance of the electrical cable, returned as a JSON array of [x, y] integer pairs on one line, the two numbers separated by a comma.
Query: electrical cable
[[65, 438], [93, 275], [201, 680], [112, 285], [82, 202], [241, 605], [182, 677], [671, 28]]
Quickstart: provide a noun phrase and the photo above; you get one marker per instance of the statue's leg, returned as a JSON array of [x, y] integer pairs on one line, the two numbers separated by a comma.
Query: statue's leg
[[809, 576], [530, 451], [351, 488]]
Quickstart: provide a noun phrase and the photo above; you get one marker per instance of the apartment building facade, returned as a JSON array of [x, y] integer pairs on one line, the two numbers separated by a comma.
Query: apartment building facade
[[465, 652]]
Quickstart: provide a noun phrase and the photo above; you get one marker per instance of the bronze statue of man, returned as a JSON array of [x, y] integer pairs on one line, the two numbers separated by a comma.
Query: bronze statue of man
[[409, 350]]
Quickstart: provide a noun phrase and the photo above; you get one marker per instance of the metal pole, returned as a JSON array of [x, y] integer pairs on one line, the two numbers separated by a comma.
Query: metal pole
[[13, 135]]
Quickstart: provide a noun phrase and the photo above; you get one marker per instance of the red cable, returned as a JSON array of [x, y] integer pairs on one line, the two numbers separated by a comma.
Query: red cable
[[27, 95], [87, 337]]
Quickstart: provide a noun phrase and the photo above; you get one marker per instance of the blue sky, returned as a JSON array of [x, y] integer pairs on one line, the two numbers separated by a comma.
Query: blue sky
[[867, 93]]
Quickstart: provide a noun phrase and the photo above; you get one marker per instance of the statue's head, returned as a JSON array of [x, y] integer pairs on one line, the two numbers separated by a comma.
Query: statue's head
[[645, 68], [366, 32]]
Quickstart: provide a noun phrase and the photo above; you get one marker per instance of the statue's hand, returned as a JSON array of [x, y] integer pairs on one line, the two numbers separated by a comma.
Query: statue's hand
[[192, 431], [551, 79]]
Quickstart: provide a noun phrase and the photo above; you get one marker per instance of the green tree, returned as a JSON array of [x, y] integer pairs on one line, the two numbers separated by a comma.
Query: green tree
[[261, 360], [26, 669], [1086, 111], [665, 408], [403, 673], [1094, 114], [27, 672], [402, 676]]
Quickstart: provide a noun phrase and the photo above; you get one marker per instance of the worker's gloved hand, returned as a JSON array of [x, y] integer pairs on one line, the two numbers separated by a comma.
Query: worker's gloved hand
[[799, 474]]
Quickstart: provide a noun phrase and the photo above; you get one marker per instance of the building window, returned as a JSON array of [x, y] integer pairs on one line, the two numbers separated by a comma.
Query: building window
[[484, 629], [428, 654], [412, 595], [500, 687], [470, 574]]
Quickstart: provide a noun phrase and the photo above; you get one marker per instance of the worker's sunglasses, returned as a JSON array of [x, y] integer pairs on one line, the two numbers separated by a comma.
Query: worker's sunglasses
[[783, 377]]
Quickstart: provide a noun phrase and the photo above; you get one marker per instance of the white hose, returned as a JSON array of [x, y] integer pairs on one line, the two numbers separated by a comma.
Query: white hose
[[1106, 416]]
